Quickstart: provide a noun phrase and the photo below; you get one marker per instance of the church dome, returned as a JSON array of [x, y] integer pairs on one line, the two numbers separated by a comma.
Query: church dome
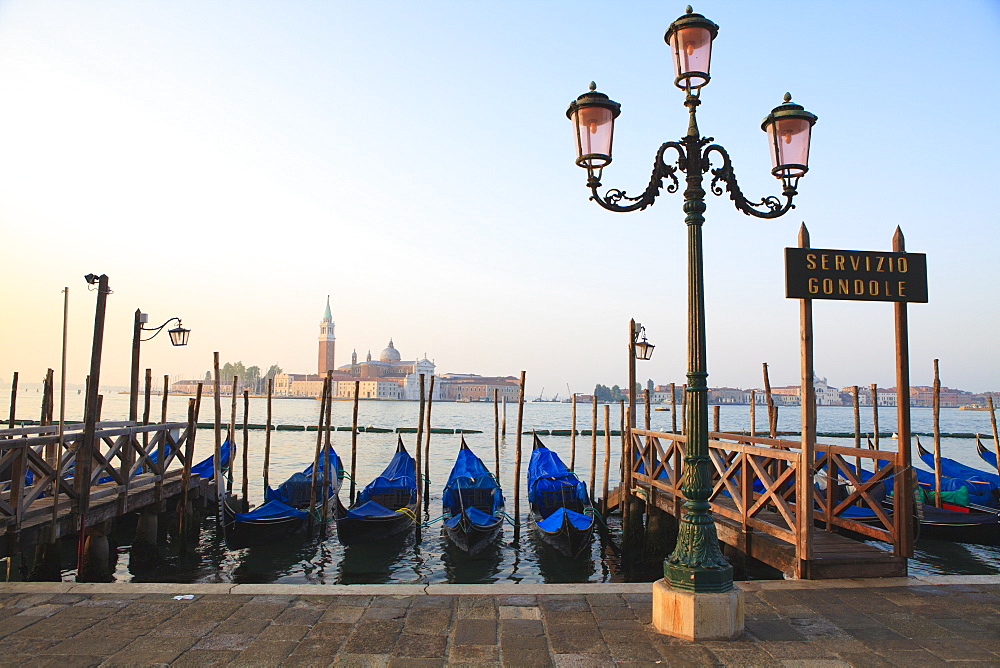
[[390, 354]]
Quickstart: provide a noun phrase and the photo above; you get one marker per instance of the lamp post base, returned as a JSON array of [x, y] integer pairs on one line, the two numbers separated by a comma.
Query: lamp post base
[[691, 616]]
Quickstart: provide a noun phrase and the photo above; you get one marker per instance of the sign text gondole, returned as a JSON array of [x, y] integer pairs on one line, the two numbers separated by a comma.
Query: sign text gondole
[[814, 273]]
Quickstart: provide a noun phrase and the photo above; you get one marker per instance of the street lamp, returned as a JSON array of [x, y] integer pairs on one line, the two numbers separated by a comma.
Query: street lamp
[[637, 349], [178, 337], [697, 564], [643, 349]]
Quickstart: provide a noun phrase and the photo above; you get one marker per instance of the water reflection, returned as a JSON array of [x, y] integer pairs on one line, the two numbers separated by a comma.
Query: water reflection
[[481, 568], [555, 567], [375, 563]]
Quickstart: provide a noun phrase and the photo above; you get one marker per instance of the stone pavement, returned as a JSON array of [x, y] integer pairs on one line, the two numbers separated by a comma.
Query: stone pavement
[[924, 621]]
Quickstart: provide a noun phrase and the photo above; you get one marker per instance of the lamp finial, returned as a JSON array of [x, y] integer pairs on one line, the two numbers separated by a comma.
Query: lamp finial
[[593, 85], [688, 10], [788, 97]]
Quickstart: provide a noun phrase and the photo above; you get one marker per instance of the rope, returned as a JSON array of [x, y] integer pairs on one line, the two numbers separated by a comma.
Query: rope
[[409, 513], [511, 521], [435, 520], [590, 510]]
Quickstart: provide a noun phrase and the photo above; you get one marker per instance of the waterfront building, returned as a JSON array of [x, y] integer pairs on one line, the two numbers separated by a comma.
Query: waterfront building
[[391, 368], [725, 395], [791, 395], [884, 396], [473, 387], [387, 377]]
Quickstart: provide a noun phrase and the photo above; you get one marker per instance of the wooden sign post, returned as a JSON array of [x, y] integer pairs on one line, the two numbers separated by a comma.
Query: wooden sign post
[[897, 277]]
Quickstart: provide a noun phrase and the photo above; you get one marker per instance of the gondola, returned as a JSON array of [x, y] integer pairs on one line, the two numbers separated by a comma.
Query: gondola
[[298, 490], [386, 507], [205, 469], [970, 523], [988, 456], [981, 488], [558, 501], [954, 522], [283, 512], [271, 521], [473, 503]]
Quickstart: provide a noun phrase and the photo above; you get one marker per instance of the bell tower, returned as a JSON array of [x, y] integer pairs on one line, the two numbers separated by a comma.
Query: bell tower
[[327, 341]]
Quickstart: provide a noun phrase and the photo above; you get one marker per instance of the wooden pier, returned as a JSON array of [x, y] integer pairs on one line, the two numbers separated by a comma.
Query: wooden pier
[[130, 467], [755, 493]]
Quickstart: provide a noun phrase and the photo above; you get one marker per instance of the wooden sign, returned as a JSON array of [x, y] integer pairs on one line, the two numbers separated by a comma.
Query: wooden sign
[[873, 276]]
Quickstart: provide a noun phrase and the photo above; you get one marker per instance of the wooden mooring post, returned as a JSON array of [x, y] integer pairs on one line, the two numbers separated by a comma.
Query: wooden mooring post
[[416, 473], [874, 390], [219, 472], [572, 435], [593, 449], [673, 408], [936, 412], [13, 402], [607, 459], [496, 431], [89, 565], [327, 451], [427, 449], [354, 438], [993, 426], [517, 459], [319, 449], [267, 432], [245, 503]]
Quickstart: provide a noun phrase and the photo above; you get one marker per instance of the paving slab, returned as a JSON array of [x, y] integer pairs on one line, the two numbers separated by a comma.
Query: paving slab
[[926, 620]]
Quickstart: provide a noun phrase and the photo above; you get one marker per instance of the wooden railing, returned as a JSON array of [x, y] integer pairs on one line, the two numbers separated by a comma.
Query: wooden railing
[[39, 467], [757, 484]]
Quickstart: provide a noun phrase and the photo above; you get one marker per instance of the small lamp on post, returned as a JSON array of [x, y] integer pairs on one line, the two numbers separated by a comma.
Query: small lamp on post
[[178, 337], [643, 349]]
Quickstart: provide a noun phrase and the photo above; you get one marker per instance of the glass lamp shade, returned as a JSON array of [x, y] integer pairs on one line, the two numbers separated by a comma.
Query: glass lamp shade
[[593, 115], [179, 335], [789, 130], [690, 40], [643, 349]]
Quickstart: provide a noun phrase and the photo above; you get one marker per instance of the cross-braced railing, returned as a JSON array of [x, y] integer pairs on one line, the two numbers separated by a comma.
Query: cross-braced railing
[[757, 485], [38, 467]]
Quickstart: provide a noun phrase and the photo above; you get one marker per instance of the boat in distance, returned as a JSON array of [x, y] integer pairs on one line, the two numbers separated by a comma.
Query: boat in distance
[[386, 507], [473, 503], [559, 502]]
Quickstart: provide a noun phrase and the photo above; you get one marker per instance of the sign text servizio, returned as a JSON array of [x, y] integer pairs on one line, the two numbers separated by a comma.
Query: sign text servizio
[[873, 276]]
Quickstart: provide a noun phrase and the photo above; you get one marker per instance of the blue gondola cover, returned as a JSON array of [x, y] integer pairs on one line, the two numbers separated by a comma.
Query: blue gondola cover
[[297, 489], [547, 473], [400, 473], [205, 469], [270, 511], [469, 472]]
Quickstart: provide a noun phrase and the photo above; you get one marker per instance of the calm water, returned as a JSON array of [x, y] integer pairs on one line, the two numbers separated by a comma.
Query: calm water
[[326, 561]]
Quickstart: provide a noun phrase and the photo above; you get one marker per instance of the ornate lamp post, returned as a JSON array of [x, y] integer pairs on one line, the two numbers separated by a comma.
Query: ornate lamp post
[[697, 564], [178, 337]]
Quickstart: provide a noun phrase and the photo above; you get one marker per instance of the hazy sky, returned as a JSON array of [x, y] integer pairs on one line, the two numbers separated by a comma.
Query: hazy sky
[[233, 163]]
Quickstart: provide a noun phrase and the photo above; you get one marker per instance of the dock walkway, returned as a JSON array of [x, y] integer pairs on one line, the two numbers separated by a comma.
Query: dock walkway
[[923, 621]]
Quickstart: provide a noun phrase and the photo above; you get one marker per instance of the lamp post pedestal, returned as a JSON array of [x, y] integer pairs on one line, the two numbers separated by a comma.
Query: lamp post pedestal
[[697, 616]]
